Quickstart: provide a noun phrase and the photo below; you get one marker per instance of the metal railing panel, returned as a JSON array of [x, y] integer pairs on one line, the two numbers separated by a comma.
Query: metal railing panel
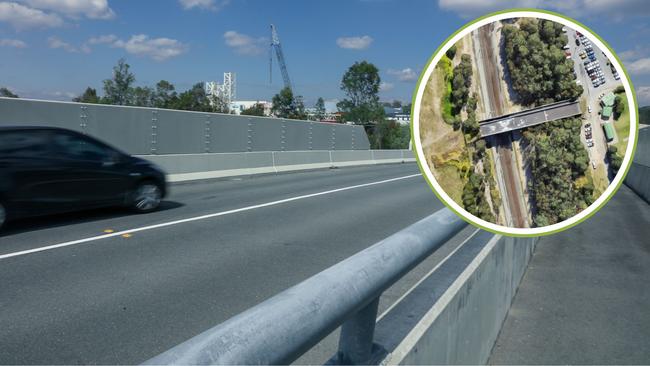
[[282, 328]]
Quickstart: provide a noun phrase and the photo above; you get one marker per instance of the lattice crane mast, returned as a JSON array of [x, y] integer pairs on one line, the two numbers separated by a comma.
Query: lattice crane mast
[[275, 44]]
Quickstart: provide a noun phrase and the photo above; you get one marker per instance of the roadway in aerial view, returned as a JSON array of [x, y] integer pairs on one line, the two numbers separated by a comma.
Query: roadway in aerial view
[[126, 298]]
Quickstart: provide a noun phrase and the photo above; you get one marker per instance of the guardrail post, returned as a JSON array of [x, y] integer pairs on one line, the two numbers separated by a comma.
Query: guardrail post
[[355, 342]]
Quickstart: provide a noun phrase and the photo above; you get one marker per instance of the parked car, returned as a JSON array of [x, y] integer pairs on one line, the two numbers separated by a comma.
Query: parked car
[[45, 170], [593, 163]]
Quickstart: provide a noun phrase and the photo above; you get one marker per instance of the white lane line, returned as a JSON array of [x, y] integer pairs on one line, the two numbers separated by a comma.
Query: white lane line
[[202, 217], [426, 276]]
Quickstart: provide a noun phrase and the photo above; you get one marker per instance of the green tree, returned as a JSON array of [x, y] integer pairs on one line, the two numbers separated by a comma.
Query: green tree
[[194, 99], [460, 83], [619, 106], [119, 90], [165, 94], [88, 96], [256, 109], [480, 146], [143, 97], [361, 86], [285, 105], [4, 92], [538, 67], [451, 52], [319, 108], [389, 135]]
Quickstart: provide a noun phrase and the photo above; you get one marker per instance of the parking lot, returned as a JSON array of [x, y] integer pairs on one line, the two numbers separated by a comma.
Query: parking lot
[[593, 92]]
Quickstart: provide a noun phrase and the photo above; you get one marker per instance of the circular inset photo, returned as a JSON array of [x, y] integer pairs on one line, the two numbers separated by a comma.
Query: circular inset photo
[[524, 122]]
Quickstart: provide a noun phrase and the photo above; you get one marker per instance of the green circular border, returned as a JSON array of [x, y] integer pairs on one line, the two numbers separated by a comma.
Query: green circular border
[[636, 121]]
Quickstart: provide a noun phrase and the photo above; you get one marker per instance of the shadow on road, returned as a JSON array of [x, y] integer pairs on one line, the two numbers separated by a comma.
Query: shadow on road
[[51, 221]]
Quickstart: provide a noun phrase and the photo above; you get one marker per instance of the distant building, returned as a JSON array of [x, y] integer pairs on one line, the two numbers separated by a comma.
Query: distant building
[[609, 131], [606, 113], [396, 114], [607, 102], [239, 106]]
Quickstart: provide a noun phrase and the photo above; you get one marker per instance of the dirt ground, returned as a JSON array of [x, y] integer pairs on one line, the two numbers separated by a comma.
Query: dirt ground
[[444, 148]]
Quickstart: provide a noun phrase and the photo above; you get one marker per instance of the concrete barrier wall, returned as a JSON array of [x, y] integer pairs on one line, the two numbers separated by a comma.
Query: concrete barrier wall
[[465, 320], [184, 167], [638, 177], [140, 131]]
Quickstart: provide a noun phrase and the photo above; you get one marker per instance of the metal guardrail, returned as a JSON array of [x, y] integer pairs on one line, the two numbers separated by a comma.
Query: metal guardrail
[[282, 328]]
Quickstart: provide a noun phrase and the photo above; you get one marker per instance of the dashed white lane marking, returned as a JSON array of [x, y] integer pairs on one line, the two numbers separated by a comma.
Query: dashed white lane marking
[[196, 218]]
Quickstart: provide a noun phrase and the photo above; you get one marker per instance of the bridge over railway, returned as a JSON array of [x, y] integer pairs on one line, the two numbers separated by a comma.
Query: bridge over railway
[[529, 117]]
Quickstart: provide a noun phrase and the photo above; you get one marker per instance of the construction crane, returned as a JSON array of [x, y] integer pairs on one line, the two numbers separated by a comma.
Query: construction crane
[[275, 44]]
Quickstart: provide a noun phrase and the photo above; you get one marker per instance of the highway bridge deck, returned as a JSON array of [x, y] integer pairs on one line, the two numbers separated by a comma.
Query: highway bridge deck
[[528, 118], [122, 300]]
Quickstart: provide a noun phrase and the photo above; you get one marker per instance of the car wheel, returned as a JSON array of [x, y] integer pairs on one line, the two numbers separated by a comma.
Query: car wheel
[[3, 215], [146, 197]]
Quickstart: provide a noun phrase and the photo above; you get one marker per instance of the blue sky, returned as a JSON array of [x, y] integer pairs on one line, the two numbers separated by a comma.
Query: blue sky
[[53, 49]]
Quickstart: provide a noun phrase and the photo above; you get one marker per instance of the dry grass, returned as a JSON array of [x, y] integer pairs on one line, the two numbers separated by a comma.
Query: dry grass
[[444, 148], [600, 180]]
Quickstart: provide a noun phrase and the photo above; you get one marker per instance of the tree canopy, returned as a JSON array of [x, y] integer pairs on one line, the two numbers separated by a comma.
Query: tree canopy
[[319, 109], [256, 109], [4, 92], [361, 86], [119, 89], [88, 96], [538, 67], [285, 105]]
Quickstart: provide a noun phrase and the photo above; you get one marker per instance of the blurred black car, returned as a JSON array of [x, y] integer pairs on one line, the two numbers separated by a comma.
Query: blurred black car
[[45, 170]]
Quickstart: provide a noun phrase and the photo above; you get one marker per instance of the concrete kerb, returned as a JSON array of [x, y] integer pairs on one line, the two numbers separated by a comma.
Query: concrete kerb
[[187, 167]]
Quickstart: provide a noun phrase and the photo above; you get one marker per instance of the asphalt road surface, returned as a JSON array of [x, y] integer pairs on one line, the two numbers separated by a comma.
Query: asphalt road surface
[[110, 287]]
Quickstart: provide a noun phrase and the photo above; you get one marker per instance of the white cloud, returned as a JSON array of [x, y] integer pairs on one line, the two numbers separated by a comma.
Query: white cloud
[[354, 43], [406, 74], [93, 9], [16, 43], [105, 39], [614, 10], [385, 86], [244, 44], [640, 66], [56, 42], [213, 5], [643, 95], [159, 49], [23, 17]]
